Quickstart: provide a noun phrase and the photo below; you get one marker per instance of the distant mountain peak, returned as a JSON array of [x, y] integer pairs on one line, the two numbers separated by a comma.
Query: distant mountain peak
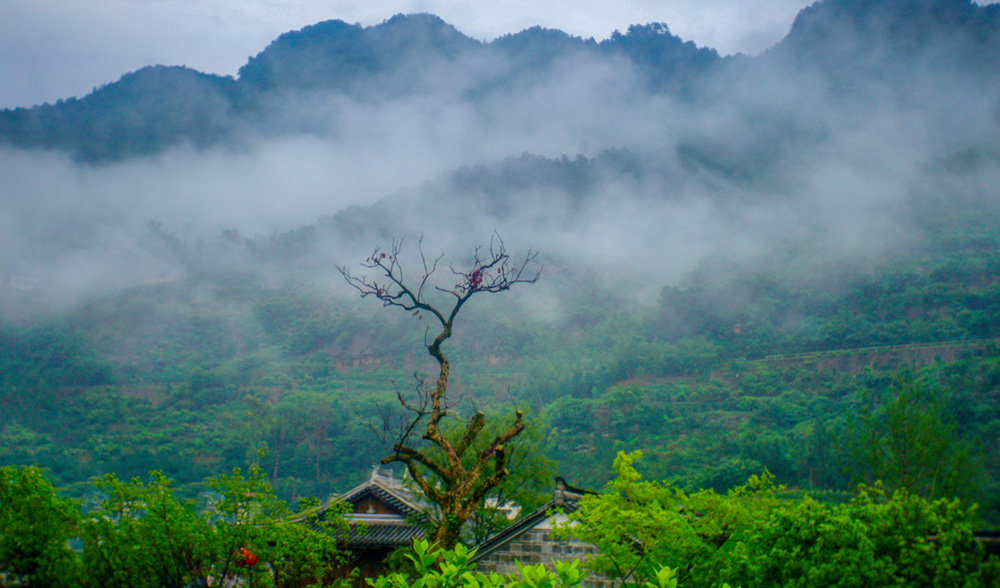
[[418, 19], [331, 53], [852, 44], [844, 30]]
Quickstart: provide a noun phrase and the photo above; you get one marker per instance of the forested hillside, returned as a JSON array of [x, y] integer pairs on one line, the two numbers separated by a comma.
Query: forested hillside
[[192, 377], [787, 261], [158, 107]]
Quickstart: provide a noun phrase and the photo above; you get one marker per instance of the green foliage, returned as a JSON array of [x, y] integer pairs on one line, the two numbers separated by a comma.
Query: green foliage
[[191, 377], [754, 538], [35, 527], [795, 304], [905, 441], [527, 486], [35, 362], [878, 539], [294, 550], [453, 568], [639, 526], [141, 536]]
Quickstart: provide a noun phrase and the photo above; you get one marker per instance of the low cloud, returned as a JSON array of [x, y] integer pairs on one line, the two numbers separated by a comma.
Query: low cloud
[[756, 164], [57, 49]]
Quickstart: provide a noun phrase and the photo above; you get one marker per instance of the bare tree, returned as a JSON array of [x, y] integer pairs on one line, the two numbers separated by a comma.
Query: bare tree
[[455, 481]]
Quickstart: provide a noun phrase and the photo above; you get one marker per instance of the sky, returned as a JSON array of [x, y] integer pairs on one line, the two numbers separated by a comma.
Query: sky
[[52, 49]]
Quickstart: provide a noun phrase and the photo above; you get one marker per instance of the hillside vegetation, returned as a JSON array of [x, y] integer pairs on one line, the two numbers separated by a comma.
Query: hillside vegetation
[[786, 262], [192, 377]]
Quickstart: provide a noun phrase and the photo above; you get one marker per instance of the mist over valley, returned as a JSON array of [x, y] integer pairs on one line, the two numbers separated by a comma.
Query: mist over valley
[[651, 142], [169, 245]]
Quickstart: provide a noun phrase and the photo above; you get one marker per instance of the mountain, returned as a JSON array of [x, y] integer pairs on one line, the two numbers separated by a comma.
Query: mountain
[[156, 107], [337, 55], [718, 234], [851, 43], [143, 112], [880, 35]]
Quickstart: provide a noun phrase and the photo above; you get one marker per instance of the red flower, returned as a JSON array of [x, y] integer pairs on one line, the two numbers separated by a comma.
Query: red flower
[[246, 559]]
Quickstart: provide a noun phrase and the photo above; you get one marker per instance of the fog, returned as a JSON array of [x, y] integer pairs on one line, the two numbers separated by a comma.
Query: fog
[[765, 157], [52, 49]]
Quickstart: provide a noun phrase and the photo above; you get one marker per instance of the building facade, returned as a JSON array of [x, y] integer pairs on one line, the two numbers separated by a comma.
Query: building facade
[[532, 539]]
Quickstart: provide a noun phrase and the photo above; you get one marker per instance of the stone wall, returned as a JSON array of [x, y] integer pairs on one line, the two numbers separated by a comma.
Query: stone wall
[[538, 545]]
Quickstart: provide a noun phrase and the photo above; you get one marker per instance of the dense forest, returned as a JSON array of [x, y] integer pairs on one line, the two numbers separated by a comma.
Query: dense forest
[[780, 268], [194, 376]]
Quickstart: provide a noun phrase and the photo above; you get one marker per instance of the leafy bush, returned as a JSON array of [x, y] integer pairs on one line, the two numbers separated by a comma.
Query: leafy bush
[[453, 568], [640, 526], [878, 539], [139, 536], [35, 526], [754, 538]]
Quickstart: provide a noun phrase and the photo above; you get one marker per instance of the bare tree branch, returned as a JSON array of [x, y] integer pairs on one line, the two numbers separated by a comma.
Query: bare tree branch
[[492, 270]]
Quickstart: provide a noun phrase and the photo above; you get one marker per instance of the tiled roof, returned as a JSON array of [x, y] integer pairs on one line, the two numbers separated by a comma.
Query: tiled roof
[[391, 494], [397, 498], [386, 532], [385, 481], [370, 530], [565, 499]]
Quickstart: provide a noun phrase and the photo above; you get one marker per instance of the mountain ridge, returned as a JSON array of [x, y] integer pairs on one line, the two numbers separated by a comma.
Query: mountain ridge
[[849, 41], [372, 63], [882, 29]]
